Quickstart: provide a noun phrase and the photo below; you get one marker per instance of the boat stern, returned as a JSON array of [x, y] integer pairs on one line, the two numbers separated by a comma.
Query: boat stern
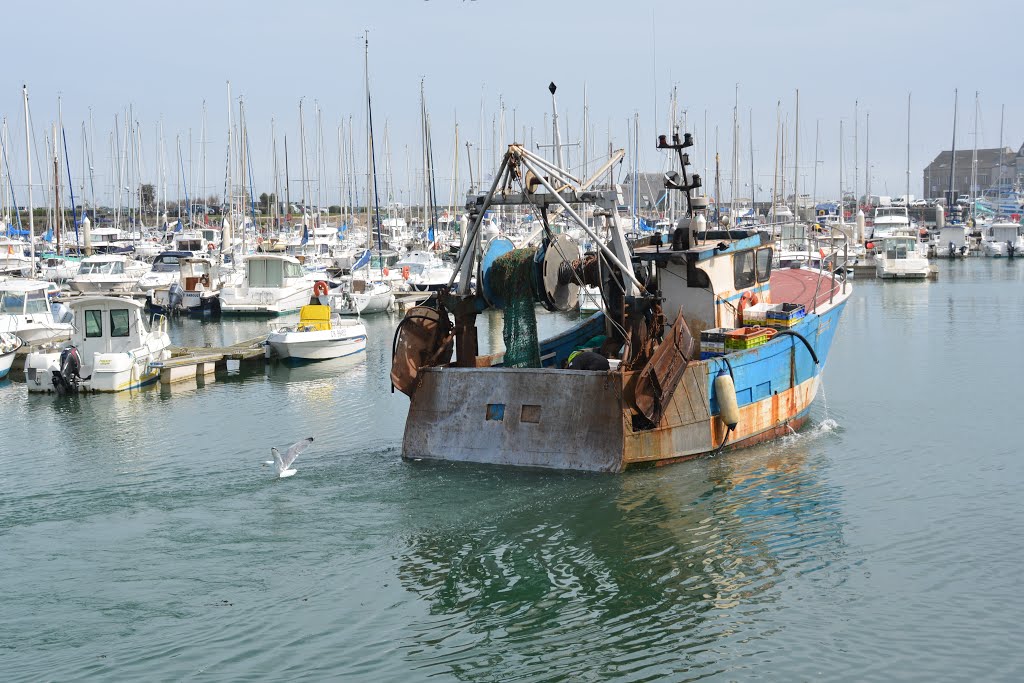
[[560, 419]]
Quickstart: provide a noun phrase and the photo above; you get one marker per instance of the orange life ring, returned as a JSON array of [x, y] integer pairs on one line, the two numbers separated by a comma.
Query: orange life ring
[[748, 299], [211, 246], [384, 270], [405, 272], [320, 288]]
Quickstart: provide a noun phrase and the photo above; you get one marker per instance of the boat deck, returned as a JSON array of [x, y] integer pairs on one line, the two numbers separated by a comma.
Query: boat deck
[[804, 286]]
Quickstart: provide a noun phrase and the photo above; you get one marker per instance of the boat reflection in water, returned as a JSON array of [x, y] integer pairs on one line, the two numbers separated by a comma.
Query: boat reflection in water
[[649, 574]]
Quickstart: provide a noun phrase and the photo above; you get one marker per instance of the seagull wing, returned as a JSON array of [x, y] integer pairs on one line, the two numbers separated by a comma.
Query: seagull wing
[[278, 463], [294, 450]]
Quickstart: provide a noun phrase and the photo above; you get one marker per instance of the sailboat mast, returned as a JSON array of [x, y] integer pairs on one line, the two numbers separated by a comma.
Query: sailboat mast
[[907, 199], [56, 190], [950, 198], [999, 180], [796, 160], [753, 182], [842, 198], [867, 156], [28, 160]]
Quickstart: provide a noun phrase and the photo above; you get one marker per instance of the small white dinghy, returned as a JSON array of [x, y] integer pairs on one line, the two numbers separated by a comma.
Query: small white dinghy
[[319, 335], [9, 345]]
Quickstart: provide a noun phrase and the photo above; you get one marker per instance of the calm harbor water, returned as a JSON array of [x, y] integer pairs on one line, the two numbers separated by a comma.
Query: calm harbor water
[[140, 539]]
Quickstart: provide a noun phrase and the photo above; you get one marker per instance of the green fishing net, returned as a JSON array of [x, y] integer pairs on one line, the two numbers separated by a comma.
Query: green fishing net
[[512, 278]]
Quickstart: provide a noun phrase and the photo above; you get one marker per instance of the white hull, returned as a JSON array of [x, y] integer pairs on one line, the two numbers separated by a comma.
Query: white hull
[[6, 361], [343, 340], [353, 304], [107, 372], [269, 301]]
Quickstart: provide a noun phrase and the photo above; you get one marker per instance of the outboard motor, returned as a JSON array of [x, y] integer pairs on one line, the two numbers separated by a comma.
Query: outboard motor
[[1010, 249], [952, 249], [175, 297], [68, 375]]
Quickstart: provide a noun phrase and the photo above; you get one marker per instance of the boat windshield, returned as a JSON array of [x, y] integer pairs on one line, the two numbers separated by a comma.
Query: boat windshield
[[166, 264], [101, 268], [899, 248]]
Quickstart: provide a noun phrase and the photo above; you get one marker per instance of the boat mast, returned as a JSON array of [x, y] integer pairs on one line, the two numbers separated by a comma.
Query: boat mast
[[56, 190], [796, 160], [753, 182], [842, 198], [28, 160], [856, 157], [952, 159], [814, 185], [775, 170], [999, 181], [735, 154], [974, 157], [907, 198], [867, 156]]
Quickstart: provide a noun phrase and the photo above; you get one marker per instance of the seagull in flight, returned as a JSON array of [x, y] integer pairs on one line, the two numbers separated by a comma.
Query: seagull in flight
[[282, 463]]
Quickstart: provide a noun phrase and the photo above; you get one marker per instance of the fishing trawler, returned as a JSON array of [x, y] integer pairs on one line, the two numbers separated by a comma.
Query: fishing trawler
[[689, 371]]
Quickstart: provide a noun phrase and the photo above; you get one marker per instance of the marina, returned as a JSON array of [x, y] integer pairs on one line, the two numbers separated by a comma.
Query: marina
[[750, 554], [356, 343]]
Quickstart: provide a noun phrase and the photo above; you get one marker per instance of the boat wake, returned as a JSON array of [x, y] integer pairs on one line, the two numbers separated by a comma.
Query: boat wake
[[814, 431]]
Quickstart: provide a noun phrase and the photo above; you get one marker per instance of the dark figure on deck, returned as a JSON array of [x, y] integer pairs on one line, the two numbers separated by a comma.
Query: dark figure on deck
[[588, 360]]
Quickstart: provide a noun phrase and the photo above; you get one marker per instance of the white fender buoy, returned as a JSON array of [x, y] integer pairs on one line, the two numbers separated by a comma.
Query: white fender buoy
[[940, 217], [700, 223], [728, 408], [860, 226]]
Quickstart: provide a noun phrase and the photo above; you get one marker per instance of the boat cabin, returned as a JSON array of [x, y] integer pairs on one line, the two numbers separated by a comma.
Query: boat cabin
[[107, 324], [271, 270], [709, 279], [24, 297], [197, 273], [1002, 232], [898, 248]]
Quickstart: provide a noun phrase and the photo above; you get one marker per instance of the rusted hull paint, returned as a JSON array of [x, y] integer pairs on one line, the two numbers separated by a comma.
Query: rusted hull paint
[[764, 420]]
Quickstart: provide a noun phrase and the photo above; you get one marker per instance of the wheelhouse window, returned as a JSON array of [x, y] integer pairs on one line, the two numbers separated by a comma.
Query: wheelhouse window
[[93, 324], [35, 302], [764, 264], [12, 302], [743, 269], [119, 322], [292, 270]]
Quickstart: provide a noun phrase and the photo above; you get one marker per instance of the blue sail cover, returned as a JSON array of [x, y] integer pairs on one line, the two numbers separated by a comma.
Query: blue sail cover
[[48, 235], [362, 261], [305, 235]]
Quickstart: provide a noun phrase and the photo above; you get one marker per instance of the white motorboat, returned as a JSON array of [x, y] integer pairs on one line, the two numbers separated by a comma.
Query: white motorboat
[[319, 335], [108, 273], [14, 259], [901, 256], [269, 284], [423, 271], [111, 349], [58, 268], [1002, 238], [196, 291], [363, 297], [889, 221], [165, 270], [9, 345], [952, 242], [25, 310]]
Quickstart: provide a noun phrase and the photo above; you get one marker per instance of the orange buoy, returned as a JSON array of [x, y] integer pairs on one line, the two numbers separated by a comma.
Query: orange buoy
[[384, 270], [320, 288], [405, 272]]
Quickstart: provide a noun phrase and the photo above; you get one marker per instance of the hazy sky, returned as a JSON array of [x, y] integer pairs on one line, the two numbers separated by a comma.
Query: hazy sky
[[165, 60]]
